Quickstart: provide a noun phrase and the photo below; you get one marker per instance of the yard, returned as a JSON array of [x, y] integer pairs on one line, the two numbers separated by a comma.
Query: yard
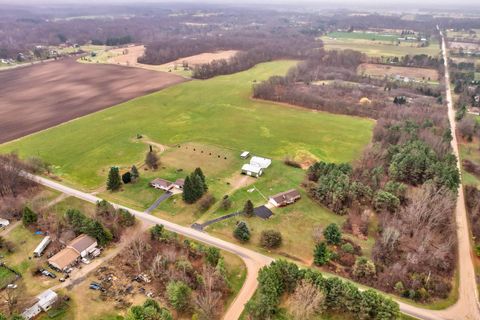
[[381, 71]]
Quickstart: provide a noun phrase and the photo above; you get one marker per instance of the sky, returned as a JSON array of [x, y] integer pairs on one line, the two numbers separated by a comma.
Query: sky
[[405, 4]]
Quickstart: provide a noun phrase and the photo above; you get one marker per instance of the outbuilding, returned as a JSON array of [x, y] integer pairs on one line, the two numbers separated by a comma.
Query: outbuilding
[[284, 198], [4, 223], [261, 162], [245, 155], [252, 170], [42, 246]]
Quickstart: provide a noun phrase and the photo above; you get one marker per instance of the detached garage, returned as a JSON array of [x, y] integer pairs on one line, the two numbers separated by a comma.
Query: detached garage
[[252, 170]]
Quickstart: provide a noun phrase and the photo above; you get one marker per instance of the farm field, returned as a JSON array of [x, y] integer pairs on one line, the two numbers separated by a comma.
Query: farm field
[[379, 48], [80, 91], [194, 111], [380, 70], [128, 56]]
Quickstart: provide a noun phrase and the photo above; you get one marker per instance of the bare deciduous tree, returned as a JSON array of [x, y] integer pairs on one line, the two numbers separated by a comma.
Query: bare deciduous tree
[[207, 301], [138, 248], [306, 301]]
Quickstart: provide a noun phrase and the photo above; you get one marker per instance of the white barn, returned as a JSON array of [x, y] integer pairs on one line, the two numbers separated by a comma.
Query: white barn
[[252, 170], [261, 162]]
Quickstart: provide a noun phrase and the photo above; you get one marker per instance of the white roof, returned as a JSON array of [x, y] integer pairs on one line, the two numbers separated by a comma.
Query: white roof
[[4, 222], [47, 298], [251, 168], [244, 154], [42, 245], [261, 162]]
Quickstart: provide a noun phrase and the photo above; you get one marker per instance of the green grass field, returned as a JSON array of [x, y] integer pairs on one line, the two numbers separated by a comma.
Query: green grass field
[[216, 112], [379, 48], [364, 36]]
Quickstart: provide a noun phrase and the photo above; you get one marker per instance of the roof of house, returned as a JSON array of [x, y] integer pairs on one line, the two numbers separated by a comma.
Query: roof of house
[[64, 258], [161, 182], [252, 168], [180, 182], [46, 298], [263, 212], [262, 162], [82, 243], [286, 196]]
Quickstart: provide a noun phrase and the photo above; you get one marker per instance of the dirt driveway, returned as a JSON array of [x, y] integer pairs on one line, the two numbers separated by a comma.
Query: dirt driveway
[[40, 96]]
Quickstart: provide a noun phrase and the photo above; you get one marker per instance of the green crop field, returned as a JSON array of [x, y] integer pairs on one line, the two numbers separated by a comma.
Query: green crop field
[[380, 47], [364, 36], [217, 112]]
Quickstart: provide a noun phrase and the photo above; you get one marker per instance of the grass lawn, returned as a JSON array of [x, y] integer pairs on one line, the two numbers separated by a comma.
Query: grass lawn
[[6, 277], [364, 35], [295, 222], [379, 48], [217, 112], [469, 151]]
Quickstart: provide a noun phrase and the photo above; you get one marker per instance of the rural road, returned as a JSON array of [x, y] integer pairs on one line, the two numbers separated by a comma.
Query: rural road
[[466, 308], [253, 260]]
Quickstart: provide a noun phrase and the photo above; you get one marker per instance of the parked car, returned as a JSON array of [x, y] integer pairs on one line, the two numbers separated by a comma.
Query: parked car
[[86, 261], [95, 286], [48, 274], [12, 286]]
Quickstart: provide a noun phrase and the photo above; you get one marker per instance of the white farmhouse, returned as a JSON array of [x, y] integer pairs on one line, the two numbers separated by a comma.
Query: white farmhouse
[[45, 301]]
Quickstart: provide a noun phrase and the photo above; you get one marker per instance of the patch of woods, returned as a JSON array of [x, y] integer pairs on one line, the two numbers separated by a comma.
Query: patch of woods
[[328, 81], [472, 202], [188, 277], [307, 294]]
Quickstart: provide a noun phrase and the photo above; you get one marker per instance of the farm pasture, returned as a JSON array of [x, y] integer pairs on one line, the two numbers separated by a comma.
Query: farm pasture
[[54, 92], [381, 70]]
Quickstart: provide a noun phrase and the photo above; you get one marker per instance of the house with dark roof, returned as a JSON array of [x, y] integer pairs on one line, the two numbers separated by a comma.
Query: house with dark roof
[[285, 198], [162, 184]]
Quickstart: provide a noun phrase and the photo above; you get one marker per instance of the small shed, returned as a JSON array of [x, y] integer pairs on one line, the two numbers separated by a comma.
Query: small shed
[[4, 222], [263, 212], [261, 162], [252, 170], [42, 246], [245, 155]]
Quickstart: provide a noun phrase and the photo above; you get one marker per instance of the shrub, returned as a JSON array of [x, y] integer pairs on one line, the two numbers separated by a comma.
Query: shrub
[[248, 208], [206, 202], [363, 268], [212, 256], [127, 177], [178, 294], [347, 248], [270, 239], [241, 232], [332, 234], [385, 201], [226, 203], [321, 254], [28, 216]]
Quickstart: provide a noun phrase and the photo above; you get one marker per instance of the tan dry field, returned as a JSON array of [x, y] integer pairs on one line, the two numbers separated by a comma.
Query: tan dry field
[[464, 45], [128, 57], [380, 70], [41, 96]]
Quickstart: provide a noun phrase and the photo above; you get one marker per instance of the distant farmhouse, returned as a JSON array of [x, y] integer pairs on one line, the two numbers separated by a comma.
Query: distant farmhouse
[[284, 198], [256, 166], [80, 247]]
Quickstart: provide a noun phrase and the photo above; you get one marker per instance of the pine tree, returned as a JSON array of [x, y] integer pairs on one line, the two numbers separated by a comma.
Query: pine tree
[[134, 173], [321, 254], [197, 184], [29, 217], [248, 208], [113, 181], [242, 232], [188, 192], [199, 173]]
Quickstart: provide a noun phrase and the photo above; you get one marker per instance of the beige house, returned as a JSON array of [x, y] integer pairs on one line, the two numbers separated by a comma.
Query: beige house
[[81, 246]]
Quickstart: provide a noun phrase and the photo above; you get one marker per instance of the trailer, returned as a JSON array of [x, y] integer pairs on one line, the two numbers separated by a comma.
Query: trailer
[[42, 246]]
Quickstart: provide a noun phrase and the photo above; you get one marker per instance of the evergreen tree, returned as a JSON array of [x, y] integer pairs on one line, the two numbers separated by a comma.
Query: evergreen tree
[[241, 232], [188, 194], [332, 234], [248, 208], [113, 181], [197, 185], [29, 217], [134, 173], [321, 254], [127, 177], [199, 172]]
